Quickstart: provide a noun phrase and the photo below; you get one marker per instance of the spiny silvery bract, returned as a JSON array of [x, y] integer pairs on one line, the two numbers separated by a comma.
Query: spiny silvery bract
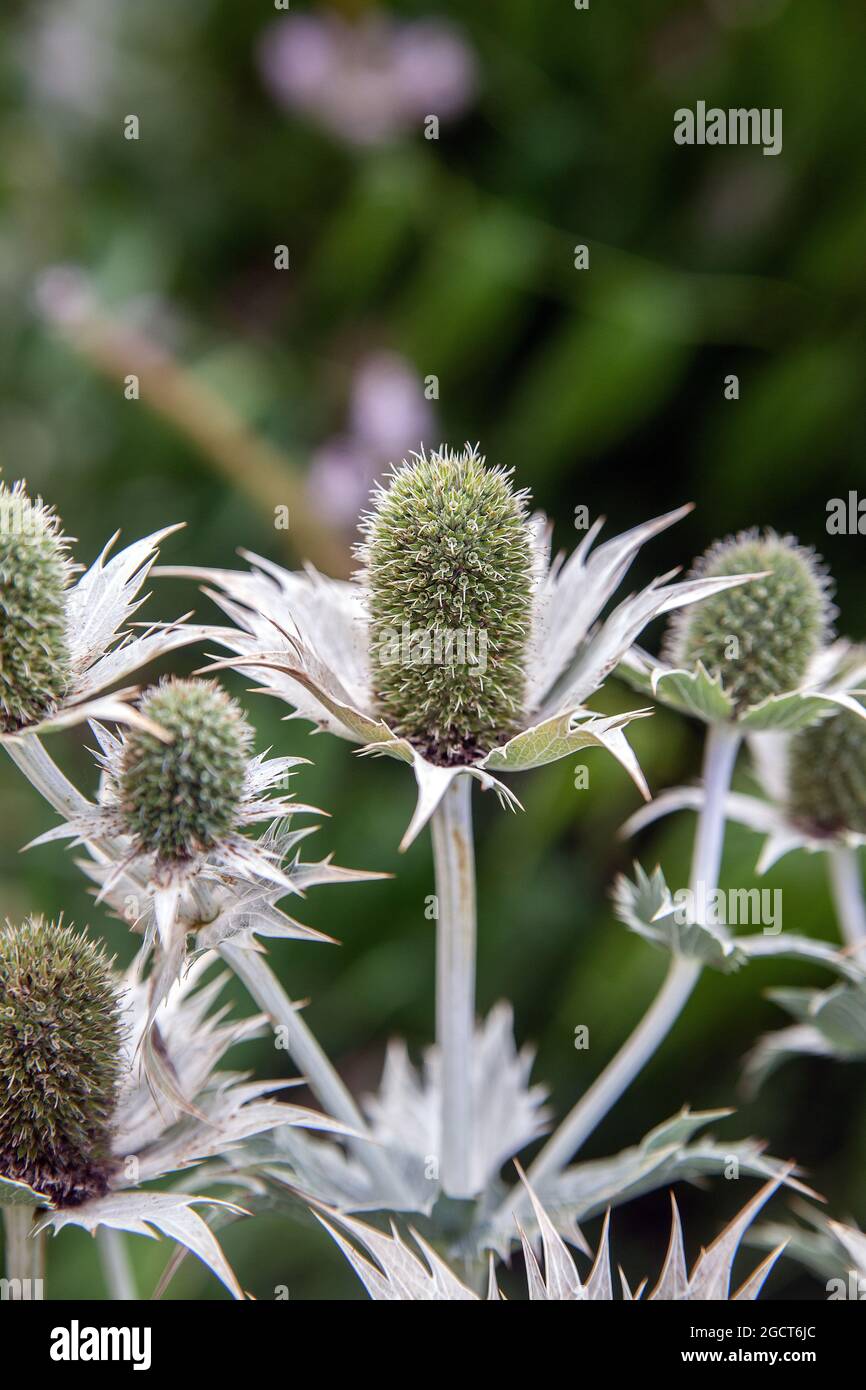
[[65, 638], [759, 638], [448, 575], [60, 1059], [180, 797], [827, 776], [417, 1273], [35, 572]]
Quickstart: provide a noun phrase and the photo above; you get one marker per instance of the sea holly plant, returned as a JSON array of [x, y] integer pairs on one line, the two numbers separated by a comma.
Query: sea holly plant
[[301, 1169], [462, 650], [194, 884], [81, 1133], [460, 647], [808, 754], [746, 660]]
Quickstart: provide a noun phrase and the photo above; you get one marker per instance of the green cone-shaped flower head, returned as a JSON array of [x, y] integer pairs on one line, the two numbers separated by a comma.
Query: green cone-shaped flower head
[[60, 1060], [34, 573], [179, 798], [827, 776], [761, 636], [448, 572]]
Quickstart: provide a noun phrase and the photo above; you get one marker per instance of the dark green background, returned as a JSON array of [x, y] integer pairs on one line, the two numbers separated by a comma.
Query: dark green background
[[602, 387]]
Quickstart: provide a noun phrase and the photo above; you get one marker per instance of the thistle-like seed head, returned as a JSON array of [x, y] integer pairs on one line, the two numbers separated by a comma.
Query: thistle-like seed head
[[60, 1060], [448, 573], [34, 573], [761, 636], [177, 799], [827, 776]]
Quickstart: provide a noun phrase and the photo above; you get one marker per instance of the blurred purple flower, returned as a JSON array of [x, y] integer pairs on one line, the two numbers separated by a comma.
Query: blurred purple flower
[[389, 415], [370, 81], [68, 54]]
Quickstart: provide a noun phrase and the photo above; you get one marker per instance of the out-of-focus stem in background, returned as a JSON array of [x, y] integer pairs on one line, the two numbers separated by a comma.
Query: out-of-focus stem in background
[[249, 463]]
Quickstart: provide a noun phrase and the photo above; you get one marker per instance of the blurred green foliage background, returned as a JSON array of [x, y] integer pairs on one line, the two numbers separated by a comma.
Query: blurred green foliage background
[[454, 259]]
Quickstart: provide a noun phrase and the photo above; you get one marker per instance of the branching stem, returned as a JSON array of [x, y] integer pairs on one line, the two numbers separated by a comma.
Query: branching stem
[[720, 754]]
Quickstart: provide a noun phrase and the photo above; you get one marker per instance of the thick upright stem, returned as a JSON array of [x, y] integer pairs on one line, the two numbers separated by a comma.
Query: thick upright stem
[[454, 857], [23, 1254], [720, 754], [847, 888]]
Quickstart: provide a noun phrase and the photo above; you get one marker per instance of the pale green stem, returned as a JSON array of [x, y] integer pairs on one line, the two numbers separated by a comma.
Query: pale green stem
[[847, 888], [43, 773], [454, 859], [321, 1076], [116, 1265], [720, 754], [24, 1254]]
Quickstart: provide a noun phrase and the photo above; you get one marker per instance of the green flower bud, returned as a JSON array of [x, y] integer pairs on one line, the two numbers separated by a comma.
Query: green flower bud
[[34, 573], [448, 572], [761, 636], [177, 799], [827, 776], [60, 1060]]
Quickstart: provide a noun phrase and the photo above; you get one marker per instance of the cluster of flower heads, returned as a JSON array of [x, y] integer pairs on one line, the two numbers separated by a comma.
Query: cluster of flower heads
[[450, 550], [109, 1084]]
